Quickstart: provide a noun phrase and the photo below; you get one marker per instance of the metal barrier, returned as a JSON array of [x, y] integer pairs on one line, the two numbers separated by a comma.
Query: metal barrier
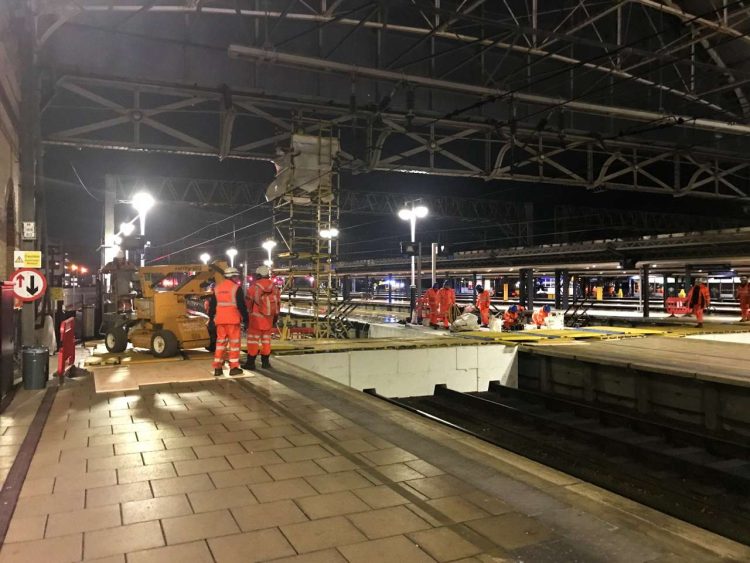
[[67, 355], [676, 306]]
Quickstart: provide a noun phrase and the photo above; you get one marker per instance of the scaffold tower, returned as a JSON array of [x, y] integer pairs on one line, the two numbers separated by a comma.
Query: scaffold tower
[[305, 197]]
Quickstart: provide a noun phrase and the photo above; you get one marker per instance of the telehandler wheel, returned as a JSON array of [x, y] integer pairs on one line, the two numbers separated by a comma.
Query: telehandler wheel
[[164, 344], [116, 340]]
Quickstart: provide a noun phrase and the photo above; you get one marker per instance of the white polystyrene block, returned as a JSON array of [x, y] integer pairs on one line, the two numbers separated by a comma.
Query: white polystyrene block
[[502, 366], [395, 384], [488, 355], [331, 366], [374, 362], [441, 359], [464, 380], [412, 361], [466, 357]]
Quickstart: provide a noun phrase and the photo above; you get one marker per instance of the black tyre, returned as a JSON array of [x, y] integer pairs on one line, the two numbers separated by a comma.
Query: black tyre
[[116, 340], [164, 344]]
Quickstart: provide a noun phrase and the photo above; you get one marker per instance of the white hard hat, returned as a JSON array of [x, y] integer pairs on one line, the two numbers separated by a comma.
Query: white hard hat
[[263, 270], [231, 272], [120, 254]]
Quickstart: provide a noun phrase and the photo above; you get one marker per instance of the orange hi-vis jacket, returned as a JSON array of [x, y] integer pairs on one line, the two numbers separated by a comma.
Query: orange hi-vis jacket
[[446, 299], [539, 317], [483, 300], [743, 293], [432, 300], [702, 300], [229, 309], [263, 304]]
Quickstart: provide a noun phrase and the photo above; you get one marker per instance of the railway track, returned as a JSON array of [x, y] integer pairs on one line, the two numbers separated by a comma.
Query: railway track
[[698, 477]]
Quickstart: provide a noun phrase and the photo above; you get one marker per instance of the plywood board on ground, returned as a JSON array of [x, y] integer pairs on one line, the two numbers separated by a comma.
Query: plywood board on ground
[[626, 331], [132, 377], [495, 336]]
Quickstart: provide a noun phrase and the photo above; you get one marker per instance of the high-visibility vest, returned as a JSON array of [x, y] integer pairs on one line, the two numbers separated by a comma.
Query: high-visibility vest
[[263, 299], [226, 303], [539, 317], [483, 299], [446, 298], [743, 292], [432, 299], [509, 318]]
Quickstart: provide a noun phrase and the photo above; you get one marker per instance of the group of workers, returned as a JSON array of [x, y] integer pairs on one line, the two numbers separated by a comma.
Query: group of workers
[[439, 301], [699, 299], [229, 308]]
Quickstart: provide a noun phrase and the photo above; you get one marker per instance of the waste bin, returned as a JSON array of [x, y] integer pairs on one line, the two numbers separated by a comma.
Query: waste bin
[[35, 367]]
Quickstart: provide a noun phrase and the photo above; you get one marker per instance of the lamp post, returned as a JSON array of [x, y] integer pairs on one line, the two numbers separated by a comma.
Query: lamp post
[[232, 253], [269, 245], [205, 258], [411, 214], [142, 203]]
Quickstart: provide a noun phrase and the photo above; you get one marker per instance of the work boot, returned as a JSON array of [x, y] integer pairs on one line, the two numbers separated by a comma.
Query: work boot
[[218, 372], [265, 362], [699, 325], [250, 363], [236, 371]]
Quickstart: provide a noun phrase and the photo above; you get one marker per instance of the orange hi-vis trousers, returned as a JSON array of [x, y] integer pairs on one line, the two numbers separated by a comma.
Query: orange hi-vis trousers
[[258, 340], [228, 340]]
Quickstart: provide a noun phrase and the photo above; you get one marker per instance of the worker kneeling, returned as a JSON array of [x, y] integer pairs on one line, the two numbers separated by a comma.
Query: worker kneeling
[[263, 302], [512, 318], [540, 317], [227, 310]]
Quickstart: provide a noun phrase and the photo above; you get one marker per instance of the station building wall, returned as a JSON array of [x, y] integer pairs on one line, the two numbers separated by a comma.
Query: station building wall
[[9, 141]]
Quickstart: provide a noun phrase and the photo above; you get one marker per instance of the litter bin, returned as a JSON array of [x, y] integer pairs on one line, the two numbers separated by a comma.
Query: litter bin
[[35, 367]]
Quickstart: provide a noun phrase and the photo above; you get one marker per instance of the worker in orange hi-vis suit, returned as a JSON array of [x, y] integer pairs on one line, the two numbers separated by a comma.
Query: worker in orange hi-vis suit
[[483, 304], [510, 317], [698, 299], [432, 302], [743, 294], [540, 316], [227, 310], [263, 303], [446, 300]]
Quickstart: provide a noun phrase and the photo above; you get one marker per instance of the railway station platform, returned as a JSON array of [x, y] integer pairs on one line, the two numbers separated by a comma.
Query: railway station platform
[[285, 465]]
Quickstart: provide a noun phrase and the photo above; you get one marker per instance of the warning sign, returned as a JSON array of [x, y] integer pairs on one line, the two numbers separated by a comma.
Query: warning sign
[[28, 285], [27, 259]]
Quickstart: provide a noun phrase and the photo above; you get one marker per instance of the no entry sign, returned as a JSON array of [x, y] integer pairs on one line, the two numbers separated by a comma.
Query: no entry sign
[[28, 284]]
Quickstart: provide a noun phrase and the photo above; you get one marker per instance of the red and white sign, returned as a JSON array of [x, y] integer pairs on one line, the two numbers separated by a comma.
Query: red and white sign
[[28, 284]]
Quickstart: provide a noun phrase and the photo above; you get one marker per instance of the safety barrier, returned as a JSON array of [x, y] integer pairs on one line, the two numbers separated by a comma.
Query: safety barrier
[[67, 355], [676, 306]]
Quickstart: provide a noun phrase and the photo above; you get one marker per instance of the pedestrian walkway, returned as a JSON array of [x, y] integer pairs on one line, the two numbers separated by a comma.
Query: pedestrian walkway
[[295, 468]]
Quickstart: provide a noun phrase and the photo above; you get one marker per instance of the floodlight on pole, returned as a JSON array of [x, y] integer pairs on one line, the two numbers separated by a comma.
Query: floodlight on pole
[[127, 229], [232, 253], [269, 245], [142, 203], [411, 214], [205, 257]]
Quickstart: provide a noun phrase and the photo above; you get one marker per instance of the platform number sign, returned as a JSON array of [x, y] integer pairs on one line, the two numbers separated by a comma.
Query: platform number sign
[[29, 284]]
